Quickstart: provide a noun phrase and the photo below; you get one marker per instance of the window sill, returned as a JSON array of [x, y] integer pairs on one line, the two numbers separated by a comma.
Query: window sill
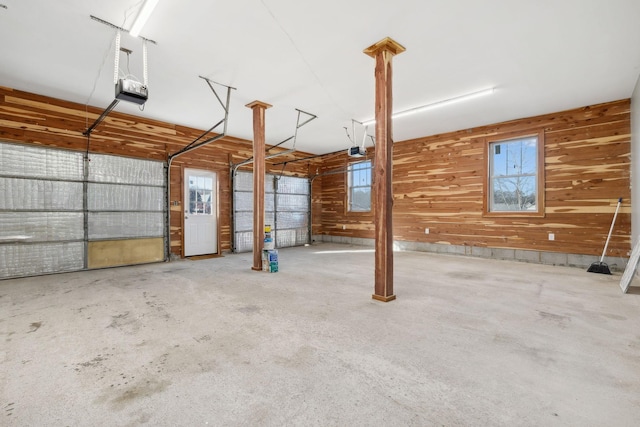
[[523, 214]]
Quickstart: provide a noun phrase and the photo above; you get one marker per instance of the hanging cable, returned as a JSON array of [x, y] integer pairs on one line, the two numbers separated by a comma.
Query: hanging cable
[[145, 74], [284, 165], [117, 59], [348, 136], [364, 136], [128, 62]]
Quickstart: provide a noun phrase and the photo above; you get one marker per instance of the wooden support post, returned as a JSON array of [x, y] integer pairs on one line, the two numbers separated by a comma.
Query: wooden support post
[[259, 109], [383, 52]]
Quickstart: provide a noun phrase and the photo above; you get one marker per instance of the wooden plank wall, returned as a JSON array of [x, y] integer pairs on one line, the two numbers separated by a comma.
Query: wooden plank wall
[[35, 119], [438, 184], [335, 219]]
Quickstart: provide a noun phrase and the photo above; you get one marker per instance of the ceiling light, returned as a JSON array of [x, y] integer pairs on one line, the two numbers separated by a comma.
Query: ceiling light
[[436, 104], [143, 16]]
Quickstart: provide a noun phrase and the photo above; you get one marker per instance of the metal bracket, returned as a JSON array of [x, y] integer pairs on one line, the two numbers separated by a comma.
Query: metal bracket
[[364, 135], [298, 126], [109, 24], [225, 106], [311, 117], [99, 120]]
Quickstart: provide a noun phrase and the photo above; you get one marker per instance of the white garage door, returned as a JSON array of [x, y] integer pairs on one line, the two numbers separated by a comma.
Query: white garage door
[[41, 211], [287, 209], [50, 213]]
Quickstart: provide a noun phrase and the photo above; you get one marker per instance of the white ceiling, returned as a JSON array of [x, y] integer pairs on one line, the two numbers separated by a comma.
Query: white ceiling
[[542, 56]]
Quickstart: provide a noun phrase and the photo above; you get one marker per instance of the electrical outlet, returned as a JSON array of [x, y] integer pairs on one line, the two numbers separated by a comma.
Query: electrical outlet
[[426, 231], [552, 236], [344, 227]]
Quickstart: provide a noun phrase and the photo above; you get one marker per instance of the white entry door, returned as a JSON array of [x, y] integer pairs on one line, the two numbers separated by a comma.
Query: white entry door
[[200, 212]]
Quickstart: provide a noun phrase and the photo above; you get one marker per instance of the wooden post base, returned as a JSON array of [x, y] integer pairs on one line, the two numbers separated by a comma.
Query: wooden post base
[[383, 298]]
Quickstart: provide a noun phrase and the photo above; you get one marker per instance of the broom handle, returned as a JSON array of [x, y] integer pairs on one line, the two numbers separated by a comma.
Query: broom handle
[[610, 230]]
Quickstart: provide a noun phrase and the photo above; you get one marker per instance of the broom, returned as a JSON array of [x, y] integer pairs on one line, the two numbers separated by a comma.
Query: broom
[[602, 267]]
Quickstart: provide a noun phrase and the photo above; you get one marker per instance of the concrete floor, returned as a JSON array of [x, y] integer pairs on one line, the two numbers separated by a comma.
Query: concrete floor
[[468, 342]]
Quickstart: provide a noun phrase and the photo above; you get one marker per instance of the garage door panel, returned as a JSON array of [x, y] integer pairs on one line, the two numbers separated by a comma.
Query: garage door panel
[[110, 225], [123, 170], [41, 226], [243, 221], [293, 237], [119, 197], [293, 202], [243, 201], [38, 194], [27, 161], [243, 181], [293, 185], [35, 259], [244, 241], [292, 220]]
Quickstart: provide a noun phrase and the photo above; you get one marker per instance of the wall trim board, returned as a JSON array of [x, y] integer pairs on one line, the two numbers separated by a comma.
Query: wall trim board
[[617, 264]]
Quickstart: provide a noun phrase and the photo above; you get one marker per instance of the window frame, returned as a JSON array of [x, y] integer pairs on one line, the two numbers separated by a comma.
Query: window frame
[[540, 172], [350, 187], [197, 193]]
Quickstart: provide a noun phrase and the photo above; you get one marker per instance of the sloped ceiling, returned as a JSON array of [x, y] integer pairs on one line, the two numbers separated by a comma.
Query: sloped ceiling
[[541, 56]]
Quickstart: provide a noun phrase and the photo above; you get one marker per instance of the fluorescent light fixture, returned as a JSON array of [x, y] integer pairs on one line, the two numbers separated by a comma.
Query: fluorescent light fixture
[[437, 104], [143, 15]]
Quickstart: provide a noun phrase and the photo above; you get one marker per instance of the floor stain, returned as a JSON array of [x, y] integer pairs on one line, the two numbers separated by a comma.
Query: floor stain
[[614, 316], [249, 309], [34, 326], [125, 323], [81, 309], [96, 361], [463, 275], [502, 338], [118, 320], [203, 338], [558, 319], [304, 357], [159, 306], [139, 391], [144, 418], [208, 365]]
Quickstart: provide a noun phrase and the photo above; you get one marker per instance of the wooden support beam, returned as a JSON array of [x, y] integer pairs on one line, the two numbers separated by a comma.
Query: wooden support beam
[[259, 109], [383, 52]]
